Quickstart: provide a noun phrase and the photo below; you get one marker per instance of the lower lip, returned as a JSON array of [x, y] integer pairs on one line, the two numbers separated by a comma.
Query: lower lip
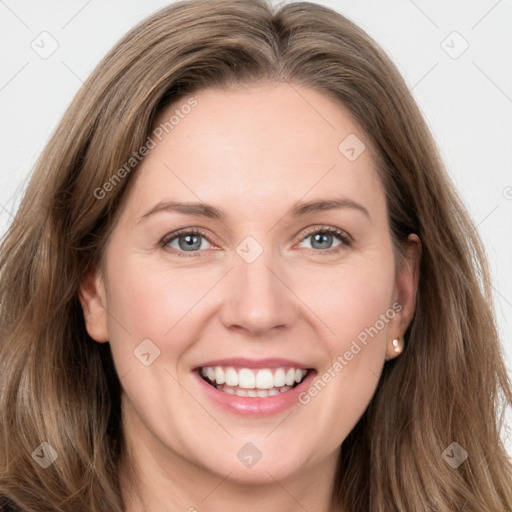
[[256, 406]]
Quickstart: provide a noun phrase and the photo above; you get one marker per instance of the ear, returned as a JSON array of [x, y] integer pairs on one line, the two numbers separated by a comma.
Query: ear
[[406, 287], [94, 305]]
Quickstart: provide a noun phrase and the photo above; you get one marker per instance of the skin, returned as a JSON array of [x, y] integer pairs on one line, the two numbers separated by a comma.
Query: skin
[[251, 151]]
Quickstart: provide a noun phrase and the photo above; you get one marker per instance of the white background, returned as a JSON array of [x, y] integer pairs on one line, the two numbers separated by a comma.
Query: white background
[[467, 100]]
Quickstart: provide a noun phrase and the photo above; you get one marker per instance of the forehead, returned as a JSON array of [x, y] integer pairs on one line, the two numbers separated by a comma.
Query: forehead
[[256, 146]]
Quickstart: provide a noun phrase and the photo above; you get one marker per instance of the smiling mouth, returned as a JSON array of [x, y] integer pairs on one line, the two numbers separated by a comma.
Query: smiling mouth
[[252, 382]]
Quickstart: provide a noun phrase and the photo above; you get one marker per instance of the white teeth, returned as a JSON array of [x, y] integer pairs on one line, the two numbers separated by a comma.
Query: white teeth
[[279, 378], [252, 382], [231, 377], [264, 379], [262, 393], [210, 373], [220, 377], [246, 379]]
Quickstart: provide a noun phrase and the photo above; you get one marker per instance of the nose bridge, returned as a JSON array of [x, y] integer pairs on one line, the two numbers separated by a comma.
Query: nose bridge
[[258, 300]]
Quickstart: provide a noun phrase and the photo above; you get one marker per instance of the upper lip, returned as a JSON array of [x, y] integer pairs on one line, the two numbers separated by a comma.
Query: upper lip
[[244, 362]]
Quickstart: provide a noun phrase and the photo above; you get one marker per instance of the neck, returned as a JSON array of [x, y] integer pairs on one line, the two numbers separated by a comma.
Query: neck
[[155, 478]]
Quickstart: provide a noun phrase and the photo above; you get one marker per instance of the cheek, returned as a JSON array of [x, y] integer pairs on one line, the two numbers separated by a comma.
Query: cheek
[[146, 302], [152, 298], [349, 299], [352, 302]]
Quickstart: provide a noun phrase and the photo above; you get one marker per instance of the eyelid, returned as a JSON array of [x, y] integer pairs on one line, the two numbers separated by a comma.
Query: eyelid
[[345, 238], [184, 231], [341, 233]]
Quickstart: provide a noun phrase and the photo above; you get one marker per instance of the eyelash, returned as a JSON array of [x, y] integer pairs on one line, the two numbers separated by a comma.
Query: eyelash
[[342, 235]]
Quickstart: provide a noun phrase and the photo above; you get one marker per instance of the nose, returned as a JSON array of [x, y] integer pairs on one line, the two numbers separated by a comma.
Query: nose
[[257, 297]]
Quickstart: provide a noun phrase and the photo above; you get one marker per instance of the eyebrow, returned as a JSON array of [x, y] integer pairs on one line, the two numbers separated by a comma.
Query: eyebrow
[[298, 209]]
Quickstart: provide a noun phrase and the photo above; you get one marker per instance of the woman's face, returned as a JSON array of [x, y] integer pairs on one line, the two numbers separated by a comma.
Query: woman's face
[[289, 274]]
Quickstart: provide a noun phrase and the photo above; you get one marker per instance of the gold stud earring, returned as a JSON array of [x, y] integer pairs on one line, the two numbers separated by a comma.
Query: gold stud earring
[[397, 346]]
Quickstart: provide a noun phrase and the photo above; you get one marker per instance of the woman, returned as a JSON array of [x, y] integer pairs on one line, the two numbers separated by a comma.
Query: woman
[[173, 338]]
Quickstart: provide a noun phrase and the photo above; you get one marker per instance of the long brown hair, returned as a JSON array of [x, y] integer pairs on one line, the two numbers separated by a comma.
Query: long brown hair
[[61, 388]]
